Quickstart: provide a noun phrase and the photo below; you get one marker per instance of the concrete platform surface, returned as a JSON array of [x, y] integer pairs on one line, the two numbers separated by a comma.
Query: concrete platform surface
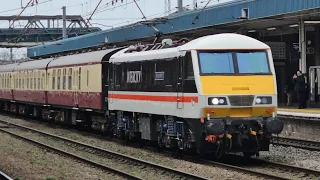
[[309, 112]]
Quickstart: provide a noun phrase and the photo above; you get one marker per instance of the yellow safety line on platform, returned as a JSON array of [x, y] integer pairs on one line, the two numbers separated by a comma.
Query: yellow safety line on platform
[[300, 110]]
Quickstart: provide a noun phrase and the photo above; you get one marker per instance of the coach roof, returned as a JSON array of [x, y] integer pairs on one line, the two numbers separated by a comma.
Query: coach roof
[[8, 67], [30, 65], [82, 58]]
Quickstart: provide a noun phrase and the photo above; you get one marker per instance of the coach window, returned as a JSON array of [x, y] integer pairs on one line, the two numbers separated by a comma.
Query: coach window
[[59, 79], [5, 81], [87, 78], [53, 79], [39, 76], [15, 81], [20, 77], [34, 80], [31, 80], [64, 79], [7, 77], [22, 80], [70, 79], [42, 81], [76, 80], [28, 80], [9, 81]]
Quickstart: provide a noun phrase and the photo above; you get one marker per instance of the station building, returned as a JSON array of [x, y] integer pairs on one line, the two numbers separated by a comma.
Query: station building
[[290, 27]]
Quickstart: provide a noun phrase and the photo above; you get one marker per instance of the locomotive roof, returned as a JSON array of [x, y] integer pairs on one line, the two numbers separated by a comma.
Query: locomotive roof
[[82, 58], [37, 64], [230, 41], [225, 41], [8, 67]]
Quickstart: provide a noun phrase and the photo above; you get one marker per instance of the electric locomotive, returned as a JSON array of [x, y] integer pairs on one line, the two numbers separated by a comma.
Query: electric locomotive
[[216, 93]]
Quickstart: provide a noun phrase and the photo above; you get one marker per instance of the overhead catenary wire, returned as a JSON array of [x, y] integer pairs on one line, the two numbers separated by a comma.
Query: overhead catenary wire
[[94, 11], [115, 24], [31, 1]]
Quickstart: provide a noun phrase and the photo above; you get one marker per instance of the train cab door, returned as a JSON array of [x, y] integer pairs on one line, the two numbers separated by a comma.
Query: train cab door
[[106, 78], [180, 83], [112, 80]]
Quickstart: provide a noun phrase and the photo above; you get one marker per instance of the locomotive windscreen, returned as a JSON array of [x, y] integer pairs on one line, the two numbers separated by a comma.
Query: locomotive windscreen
[[240, 62]]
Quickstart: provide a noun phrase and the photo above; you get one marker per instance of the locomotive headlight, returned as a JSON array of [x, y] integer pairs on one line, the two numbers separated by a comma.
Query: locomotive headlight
[[264, 100], [217, 101], [258, 101]]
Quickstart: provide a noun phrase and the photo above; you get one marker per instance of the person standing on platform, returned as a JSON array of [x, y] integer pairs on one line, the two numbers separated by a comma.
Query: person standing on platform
[[300, 89], [289, 91]]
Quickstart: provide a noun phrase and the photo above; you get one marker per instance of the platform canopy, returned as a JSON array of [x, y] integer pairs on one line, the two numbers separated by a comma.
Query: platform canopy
[[240, 16]]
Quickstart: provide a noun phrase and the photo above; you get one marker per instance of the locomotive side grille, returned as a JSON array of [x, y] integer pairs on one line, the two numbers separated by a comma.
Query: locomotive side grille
[[246, 100]]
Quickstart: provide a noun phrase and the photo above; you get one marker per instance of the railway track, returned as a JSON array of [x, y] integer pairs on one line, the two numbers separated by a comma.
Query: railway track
[[277, 169], [3, 176], [104, 159], [297, 143], [255, 167]]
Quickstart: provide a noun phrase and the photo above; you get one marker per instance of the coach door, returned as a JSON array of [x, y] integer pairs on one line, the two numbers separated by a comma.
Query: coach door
[[180, 83], [76, 86]]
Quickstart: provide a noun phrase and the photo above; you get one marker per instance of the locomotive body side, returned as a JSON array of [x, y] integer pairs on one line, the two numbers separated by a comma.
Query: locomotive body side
[[152, 82]]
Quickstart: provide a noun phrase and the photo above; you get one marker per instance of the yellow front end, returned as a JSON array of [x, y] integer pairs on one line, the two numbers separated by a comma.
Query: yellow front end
[[229, 85]]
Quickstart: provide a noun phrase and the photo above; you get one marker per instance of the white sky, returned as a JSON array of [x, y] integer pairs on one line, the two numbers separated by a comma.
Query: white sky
[[107, 16]]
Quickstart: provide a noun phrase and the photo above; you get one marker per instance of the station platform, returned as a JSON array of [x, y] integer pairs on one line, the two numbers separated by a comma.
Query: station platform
[[302, 113]]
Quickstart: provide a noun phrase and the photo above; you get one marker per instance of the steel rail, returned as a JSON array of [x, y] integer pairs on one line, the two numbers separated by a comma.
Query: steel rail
[[297, 143], [99, 151], [213, 163], [3, 176], [64, 153]]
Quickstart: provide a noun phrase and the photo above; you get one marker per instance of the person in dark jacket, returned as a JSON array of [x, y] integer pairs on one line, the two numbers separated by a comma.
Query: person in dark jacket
[[289, 91], [300, 89]]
